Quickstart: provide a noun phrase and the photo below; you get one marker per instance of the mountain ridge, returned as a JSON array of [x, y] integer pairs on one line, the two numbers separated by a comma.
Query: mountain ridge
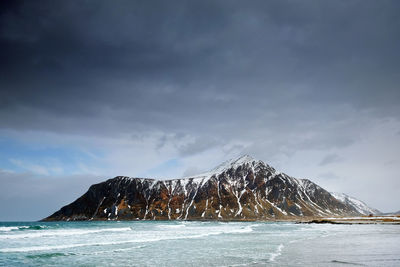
[[358, 204], [238, 189]]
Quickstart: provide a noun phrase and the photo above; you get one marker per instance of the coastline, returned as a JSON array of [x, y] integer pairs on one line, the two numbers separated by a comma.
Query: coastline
[[394, 219]]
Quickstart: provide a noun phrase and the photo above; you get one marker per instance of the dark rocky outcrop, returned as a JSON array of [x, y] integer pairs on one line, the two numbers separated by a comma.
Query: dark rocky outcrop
[[241, 189]]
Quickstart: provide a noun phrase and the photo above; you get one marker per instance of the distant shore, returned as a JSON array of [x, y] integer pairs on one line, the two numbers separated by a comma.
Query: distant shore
[[395, 219]]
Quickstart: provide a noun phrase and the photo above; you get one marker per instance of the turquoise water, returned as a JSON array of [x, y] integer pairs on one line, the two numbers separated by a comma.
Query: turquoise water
[[182, 243]]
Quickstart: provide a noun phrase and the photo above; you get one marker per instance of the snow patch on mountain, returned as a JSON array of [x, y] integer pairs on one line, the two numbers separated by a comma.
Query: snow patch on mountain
[[232, 163], [360, 206]]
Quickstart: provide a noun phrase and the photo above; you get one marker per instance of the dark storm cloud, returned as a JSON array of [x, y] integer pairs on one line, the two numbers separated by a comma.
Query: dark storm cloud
[[184, 64]]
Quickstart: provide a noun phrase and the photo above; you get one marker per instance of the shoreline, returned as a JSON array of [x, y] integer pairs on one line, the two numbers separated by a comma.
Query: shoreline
[[395, 219]]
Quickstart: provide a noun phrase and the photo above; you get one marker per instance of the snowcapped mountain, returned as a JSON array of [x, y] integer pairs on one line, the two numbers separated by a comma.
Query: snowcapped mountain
[[358, 205], [239, 189]]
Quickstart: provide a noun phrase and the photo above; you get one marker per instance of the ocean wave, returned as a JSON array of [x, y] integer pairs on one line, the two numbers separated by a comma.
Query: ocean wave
[[57, 247], [62, 233], [246, 229], [277, 253], [48, 255], [8, 228], [22, 228], [113, 251], [170, 226], [32, 227]]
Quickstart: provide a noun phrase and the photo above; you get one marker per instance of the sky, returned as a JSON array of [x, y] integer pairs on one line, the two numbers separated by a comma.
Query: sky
[[165, 89]]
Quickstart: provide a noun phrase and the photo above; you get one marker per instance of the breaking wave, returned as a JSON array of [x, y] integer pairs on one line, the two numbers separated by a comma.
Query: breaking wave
[[134, 239], [62, 233], [173, 226], [8, 228], [22, 228]]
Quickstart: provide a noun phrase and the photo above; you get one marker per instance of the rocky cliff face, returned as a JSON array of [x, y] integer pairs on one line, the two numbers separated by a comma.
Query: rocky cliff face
[[241, 189]]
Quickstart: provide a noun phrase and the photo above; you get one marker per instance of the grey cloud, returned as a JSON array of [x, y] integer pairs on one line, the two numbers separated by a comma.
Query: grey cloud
[[199, 145], [331, 158], [329, 176], [391, 163]]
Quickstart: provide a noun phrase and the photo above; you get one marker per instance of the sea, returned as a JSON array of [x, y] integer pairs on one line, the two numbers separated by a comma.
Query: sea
[[195, 243]]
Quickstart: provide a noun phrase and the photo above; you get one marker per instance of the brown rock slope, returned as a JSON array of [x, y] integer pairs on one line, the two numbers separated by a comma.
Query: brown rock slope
[[241, 189]]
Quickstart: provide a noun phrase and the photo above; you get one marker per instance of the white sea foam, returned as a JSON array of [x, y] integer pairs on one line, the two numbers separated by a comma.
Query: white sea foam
[[113, 251], [142, 239], [8, 228], [276, 253], [171, 226], [35, 234]]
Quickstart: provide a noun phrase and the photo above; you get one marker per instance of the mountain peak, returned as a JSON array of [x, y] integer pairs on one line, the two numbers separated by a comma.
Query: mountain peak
[[233, 163], [226, 165], [245, 159]]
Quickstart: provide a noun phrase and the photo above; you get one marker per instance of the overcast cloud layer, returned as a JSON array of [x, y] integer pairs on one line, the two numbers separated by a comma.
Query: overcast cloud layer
[[94, 89]]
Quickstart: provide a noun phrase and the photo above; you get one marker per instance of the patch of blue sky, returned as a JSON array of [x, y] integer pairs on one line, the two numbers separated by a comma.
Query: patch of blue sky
[[166, 169], [41, 159]]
